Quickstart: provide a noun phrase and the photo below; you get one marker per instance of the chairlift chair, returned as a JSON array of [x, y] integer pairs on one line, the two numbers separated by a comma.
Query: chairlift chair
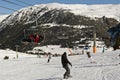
[[33, 36]]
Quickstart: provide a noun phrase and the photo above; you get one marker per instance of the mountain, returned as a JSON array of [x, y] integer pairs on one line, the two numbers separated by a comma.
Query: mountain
[[74, 21], [2, 17]]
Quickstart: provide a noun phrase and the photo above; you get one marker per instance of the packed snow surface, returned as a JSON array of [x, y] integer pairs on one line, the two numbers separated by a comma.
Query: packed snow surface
[[30, 67]]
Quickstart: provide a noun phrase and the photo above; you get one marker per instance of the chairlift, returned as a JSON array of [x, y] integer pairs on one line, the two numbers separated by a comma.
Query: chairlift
[[33, 36]]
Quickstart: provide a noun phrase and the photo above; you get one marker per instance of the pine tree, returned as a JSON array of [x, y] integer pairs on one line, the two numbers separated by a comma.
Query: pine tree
[[117, 44]]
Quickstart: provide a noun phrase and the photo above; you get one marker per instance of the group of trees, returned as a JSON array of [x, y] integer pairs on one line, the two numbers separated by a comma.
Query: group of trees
[[115, 36], [117, 43]]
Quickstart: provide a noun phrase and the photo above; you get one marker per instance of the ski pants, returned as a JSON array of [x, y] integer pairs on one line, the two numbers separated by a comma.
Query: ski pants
[[67, 73]]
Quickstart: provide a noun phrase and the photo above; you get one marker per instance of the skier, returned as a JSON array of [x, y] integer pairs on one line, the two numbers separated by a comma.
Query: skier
[[82, 51], [103, 49], [49, 57], [88, 54], [65, 63]]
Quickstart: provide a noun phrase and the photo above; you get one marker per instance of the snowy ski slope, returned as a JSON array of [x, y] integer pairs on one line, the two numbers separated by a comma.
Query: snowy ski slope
[[30, 67]]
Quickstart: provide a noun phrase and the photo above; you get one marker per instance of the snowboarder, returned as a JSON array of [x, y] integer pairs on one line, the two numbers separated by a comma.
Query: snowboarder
[[65, 63]]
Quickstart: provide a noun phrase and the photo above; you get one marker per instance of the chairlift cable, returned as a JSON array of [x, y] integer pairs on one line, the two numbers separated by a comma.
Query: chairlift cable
[[13, 3], [8, 8], [24, 3]]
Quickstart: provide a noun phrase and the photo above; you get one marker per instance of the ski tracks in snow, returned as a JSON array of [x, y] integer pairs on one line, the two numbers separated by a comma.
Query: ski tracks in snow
[[97, 72], [111, 73]]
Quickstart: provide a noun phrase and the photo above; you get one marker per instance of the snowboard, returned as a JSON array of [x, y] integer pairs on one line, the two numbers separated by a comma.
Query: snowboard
[[67, 77]]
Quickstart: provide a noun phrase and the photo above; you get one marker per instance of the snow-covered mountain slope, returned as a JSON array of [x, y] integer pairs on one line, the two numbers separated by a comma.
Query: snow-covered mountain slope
[[65, 16], [26, 14], [2, 17], [108, 10], [98, 10]]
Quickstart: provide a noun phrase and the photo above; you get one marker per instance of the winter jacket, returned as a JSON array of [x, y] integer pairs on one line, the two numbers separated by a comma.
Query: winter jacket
[[37, 38], [88, 54], [64, 60]]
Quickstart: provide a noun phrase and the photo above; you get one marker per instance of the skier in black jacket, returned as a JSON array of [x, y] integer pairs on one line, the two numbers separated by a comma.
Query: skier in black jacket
[[65, 63]]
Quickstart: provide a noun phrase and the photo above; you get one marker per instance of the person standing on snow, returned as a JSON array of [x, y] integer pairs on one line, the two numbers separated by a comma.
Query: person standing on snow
[[88, 54], [49, 57], [103, 49], [65, 63]]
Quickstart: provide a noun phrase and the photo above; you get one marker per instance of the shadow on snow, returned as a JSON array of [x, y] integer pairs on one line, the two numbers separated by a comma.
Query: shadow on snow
[[54, 78]]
